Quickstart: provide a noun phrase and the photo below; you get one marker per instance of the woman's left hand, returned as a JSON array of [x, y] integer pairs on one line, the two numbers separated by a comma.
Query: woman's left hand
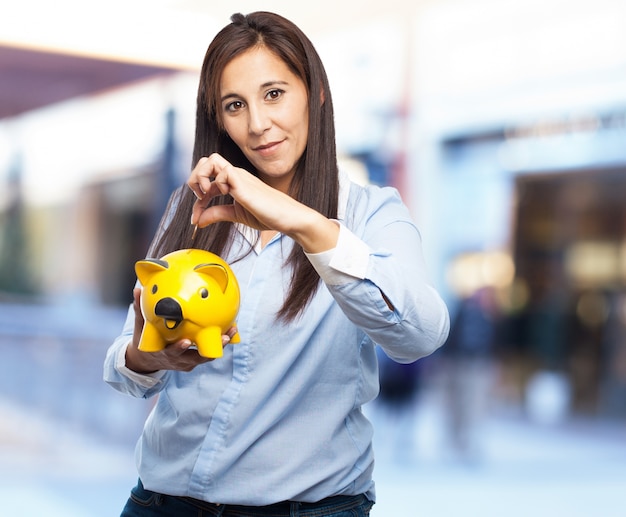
[[256, 204]]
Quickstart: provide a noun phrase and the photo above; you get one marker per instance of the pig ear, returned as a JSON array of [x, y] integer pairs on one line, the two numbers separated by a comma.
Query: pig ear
[[215, 271], [146, 268]]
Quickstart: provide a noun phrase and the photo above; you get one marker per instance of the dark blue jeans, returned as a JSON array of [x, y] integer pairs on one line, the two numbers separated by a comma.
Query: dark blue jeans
[[144, 503]]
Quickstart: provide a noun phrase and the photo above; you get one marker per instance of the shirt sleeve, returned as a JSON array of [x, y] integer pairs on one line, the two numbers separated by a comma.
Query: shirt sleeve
[[122, 378], [377, 275], [345, 262], [146, 380]]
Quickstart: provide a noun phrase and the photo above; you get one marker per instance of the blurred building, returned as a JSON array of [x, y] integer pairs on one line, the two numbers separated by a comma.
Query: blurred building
[[503, 124], [521, 111]]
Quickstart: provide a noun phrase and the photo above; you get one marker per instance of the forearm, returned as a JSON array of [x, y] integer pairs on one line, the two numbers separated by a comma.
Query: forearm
[[123, 379], [117, 372], [314, 232], [140, 362]]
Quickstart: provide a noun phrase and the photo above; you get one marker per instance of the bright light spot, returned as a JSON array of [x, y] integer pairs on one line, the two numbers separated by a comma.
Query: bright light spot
[[593, 262], [472, 271]]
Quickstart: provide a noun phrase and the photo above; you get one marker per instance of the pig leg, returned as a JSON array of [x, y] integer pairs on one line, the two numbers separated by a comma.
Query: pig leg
[[151, 340], [209, 342]]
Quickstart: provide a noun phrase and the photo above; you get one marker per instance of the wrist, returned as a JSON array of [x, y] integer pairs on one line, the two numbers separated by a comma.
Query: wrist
[[316, 234], [136, 360]]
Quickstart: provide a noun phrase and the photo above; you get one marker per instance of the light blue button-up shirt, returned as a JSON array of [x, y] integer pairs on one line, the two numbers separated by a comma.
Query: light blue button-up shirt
[[279, 417]]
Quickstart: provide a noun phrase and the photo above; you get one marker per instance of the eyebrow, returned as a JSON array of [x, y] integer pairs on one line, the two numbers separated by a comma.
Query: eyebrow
[[262, 87]]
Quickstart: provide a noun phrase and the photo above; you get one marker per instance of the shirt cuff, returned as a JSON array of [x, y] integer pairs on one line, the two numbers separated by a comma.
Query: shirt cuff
[[146, 380], [343, 263]]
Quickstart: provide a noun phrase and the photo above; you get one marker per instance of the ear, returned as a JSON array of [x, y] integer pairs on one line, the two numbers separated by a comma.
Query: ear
[[322, 96], [146, 268], [215, 271]]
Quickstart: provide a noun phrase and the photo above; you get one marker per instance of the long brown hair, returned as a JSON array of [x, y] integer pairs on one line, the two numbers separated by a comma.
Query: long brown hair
[[315, 183]]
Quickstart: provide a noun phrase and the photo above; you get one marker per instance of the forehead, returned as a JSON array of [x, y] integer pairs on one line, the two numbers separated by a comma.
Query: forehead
[[254, 68]]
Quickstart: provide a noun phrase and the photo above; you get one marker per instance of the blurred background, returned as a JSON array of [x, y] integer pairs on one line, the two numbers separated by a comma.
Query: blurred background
[[503, 125]]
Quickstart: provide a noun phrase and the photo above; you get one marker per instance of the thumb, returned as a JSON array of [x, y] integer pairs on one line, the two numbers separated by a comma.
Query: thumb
[[139, 321]]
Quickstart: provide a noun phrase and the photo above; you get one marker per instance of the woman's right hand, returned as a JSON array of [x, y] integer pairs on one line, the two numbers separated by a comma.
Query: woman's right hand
[[176, 356]]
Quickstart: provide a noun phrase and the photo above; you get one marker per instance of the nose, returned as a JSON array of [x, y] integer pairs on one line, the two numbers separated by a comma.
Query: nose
[[169, 309], [258, 120]]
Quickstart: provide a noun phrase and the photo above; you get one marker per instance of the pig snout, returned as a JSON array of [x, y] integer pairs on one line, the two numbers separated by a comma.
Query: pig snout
[[171, 311]]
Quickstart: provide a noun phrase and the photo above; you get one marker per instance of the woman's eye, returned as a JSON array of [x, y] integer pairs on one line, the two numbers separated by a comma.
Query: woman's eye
[[234, 106], [274, 94]]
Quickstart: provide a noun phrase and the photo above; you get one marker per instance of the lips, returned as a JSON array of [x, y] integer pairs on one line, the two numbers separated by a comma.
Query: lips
[[267, 148]]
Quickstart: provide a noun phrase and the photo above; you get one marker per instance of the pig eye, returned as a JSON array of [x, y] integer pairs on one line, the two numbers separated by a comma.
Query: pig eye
[[204, 293], [155, 288]]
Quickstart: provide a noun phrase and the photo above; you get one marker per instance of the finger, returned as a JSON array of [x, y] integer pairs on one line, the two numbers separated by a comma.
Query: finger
[[217, 187], [137, 304], [180, 347], [204, 173], [201, 170], [205, 216], [139, 320], [218, 179], [192, 360], [229, 335], [136, 297]]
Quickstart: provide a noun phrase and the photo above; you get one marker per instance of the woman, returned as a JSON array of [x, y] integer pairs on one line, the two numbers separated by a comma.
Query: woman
[[327, 270]]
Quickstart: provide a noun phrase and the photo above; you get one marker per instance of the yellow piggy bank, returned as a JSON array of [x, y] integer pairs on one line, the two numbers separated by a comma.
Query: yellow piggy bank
[[191, 294]]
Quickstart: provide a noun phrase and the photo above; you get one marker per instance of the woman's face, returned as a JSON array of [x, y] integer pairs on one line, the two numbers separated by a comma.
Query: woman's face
[[265, 112]]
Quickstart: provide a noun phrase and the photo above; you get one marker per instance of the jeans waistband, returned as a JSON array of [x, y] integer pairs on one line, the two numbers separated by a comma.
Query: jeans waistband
[[328, 506]]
